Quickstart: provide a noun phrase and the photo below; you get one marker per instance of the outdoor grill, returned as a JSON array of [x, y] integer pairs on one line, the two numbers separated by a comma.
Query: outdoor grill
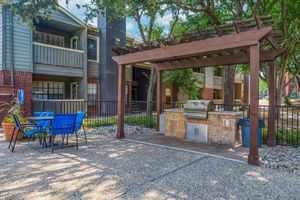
[[198, 108]]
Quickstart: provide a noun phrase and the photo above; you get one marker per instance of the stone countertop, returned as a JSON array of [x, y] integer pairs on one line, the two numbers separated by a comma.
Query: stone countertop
[[233, 113], [174, 110], [179, 110]]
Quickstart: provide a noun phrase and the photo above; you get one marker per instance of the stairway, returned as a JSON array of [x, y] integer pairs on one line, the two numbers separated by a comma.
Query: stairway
[[135, 108]]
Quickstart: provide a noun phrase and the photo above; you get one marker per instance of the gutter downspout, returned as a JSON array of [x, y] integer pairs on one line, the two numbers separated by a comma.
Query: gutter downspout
[[3, 38], [12, 49]]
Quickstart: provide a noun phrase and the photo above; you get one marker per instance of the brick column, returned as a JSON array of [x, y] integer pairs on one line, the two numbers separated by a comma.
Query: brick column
[[207, 93], [22, 80]]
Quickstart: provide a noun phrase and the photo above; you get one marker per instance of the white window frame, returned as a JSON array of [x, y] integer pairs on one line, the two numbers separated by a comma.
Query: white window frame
[[72, 84], [98, 46], [71, 42], [47, 82]]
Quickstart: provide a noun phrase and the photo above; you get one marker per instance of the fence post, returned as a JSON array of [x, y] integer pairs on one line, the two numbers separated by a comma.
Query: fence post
[[271, 110]]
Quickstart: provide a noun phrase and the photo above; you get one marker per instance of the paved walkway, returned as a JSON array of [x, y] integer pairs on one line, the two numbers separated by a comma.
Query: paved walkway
[[114, 169]]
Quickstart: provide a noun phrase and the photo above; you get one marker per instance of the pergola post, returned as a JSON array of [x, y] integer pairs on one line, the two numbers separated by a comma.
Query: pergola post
[[271, 110], [121, 101], [158, 96], [253, 157]]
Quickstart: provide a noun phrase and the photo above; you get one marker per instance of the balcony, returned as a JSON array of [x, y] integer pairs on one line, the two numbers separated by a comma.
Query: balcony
[[58, 56], [238, 78], [218, 82], [201, 78]]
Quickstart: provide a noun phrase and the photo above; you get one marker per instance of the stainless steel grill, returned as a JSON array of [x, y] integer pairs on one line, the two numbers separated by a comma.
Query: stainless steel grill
[[198, 108]]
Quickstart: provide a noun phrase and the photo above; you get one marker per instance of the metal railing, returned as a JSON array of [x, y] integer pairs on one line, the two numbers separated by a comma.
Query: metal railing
[[100, 113]]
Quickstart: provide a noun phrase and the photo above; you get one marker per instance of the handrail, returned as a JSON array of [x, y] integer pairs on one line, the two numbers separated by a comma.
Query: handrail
[[57, 47]]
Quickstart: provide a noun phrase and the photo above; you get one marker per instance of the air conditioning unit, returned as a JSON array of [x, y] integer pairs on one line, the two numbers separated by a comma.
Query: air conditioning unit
[[196, 132]]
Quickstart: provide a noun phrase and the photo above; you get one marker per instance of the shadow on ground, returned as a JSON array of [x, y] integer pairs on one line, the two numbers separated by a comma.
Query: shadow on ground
[[115, 169]]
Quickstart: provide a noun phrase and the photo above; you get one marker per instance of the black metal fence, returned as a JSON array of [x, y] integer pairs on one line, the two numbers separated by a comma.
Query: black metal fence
[[101, 113], [141, 113], [287, 121]]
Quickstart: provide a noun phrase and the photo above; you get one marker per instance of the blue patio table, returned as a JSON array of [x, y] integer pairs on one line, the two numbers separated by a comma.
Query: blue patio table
[[36, 118]]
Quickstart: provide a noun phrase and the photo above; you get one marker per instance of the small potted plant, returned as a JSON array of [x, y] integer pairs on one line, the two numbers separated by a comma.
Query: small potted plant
[[8, 123]]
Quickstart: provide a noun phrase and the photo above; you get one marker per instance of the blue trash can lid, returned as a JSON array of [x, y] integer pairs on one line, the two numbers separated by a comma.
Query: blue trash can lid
[[246, 122]]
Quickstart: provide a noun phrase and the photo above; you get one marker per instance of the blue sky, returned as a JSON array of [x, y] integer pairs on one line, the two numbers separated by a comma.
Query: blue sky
[[131, 26]]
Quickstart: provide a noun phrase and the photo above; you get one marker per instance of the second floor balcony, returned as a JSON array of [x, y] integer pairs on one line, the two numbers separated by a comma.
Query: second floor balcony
[[57, 56], [59, 49]]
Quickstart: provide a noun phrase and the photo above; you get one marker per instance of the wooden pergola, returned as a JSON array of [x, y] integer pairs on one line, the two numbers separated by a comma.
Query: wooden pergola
[[251, 41]]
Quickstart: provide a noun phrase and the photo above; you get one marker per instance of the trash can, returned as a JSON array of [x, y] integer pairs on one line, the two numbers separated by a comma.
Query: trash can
[[245, 124]]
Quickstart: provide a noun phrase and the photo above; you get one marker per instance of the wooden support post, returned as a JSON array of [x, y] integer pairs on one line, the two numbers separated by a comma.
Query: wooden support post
[[158, 96], [253, 157], [121, 103], [272, 97]]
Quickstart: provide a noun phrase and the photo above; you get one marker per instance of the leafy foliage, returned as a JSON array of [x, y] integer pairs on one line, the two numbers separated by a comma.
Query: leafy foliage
[[184, 79]]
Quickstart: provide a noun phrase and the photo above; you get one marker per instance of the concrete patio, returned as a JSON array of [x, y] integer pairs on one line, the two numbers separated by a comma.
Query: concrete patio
[[105, 168]]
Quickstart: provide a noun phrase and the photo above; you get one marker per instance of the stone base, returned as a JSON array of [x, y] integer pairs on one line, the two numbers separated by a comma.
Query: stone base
[[174, 124], [222, 126]]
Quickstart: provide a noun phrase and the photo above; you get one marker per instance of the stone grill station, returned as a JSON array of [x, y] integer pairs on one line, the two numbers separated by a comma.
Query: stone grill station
[[199, 122]]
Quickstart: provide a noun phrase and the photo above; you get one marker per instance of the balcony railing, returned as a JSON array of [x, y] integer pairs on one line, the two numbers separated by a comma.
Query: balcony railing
[[57, 56], [201, 78], [218, 82]]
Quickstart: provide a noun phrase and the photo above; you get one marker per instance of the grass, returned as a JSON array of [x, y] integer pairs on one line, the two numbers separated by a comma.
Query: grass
[[138, 120], [284, 136], [288, 137]]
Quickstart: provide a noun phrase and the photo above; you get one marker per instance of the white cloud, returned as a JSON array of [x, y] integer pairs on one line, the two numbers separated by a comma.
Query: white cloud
[[129, 26], [165, 20], [79, 13]]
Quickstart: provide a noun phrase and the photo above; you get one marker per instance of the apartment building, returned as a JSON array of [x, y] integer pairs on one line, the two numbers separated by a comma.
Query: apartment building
[[212, 86]]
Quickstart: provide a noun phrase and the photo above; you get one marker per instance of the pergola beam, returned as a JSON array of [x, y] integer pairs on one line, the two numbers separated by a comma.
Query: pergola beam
[[232, 41], [241, 58]]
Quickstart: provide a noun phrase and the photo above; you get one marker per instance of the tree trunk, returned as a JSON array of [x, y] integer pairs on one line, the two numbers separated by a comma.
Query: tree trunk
[[150, 91], [229, 81], [246, 90]]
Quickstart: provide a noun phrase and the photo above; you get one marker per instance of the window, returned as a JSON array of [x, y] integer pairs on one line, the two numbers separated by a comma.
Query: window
[[218, 94], [199, 70], [93, 48], [92, 91], [47, 90], [47, 38]]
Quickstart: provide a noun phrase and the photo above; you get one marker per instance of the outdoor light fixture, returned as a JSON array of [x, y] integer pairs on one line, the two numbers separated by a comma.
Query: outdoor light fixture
[[117, 40]]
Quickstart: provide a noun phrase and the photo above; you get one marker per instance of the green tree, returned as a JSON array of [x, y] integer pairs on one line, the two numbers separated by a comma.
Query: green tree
[[184, 79]]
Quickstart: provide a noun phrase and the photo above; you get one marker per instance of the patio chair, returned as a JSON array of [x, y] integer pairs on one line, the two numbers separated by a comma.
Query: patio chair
[[79, 123], [63, 124], [43, 124], [19, 128]]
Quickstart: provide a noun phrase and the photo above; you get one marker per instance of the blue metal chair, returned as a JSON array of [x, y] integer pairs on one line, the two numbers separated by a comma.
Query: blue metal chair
[[63, 124], [19, 128], [79, 123], [43, 124]]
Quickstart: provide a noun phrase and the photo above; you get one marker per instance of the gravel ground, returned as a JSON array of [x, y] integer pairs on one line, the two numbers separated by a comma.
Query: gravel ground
[[110, 131], [106, 168], [283, 158]]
